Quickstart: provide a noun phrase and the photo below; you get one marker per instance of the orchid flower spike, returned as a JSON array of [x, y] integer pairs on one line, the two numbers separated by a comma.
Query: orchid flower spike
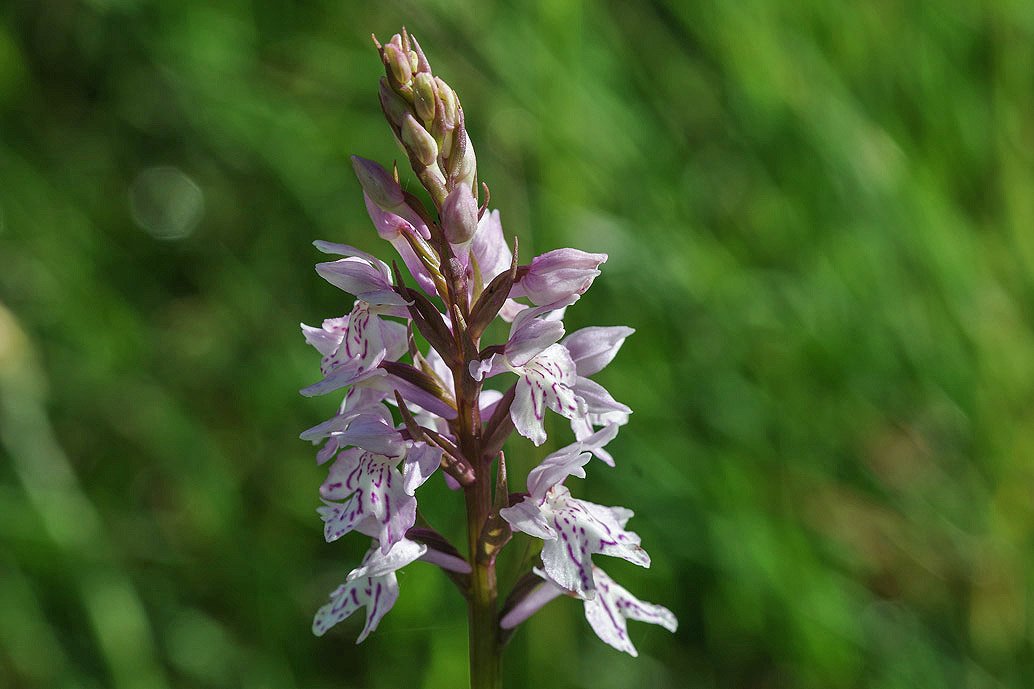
[[410, 362]]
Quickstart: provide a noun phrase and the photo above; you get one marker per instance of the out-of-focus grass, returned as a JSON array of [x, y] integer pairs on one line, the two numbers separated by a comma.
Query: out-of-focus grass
[[820, 222]]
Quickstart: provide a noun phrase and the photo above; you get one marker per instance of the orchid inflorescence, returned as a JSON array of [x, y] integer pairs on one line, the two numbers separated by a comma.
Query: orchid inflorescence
[[462, 275]]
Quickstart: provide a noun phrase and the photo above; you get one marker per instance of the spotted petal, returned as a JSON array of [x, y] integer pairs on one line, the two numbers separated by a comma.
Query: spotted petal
[[545, 382], [607, 612], [375, 500], [584, 528], [372, 585], [363, 341]]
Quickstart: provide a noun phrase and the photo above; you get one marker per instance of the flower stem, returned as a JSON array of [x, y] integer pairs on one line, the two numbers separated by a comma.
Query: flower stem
[[482, 616], [482, 607]]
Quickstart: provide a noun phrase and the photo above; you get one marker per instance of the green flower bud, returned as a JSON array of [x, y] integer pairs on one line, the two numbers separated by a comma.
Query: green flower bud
[[450, 103], [432, 179], [423, 96], [462, 162], [419, 141], [398, 62], [394, 107]]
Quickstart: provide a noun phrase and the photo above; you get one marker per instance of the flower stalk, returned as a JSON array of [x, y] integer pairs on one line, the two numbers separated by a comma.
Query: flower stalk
[[466, 276]]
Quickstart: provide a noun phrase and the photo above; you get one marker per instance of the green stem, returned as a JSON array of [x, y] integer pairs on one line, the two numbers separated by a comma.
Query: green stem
[[482, 598], [482, 603], [482, 616]]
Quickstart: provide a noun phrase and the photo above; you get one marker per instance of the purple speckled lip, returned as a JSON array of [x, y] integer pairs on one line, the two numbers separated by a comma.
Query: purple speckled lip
[[373, 493]]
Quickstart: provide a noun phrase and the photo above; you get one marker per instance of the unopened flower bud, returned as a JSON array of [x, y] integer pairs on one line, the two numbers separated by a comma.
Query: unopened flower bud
[[418, 140], [378, 183], [433, 180], [398, 62], [462, 162], [423, 96], [449, 101], [444, 118], [394, 107], [460, 215], [559, 274]]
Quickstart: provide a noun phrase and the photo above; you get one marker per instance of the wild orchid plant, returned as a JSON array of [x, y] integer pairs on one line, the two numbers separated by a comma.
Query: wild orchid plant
[[465, 277]]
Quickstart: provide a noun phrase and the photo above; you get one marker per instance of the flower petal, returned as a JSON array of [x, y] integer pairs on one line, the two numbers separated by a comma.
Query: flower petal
[[597, 399], [559, 273], [371, 431], [328, 338], [583, 529], [489, 247], [343, 376], [528, 412], [529, 340], [422, 460], [375, 499], [546, 382], [372, 585], [607, 612], [527, 516], [554, 469], [377, 563], [594, 347], [377, 595], [531, 333], [567, 462]]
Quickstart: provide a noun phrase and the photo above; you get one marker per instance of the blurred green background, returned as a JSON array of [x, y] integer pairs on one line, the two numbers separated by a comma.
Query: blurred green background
[[820, 221]]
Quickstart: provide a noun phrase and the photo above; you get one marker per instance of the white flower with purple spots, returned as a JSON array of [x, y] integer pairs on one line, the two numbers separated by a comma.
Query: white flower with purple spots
[[352, 347], [375, 499], [579, 529], [613, 605], [573, 530], [546, 373], [606, 612], [372, 585]]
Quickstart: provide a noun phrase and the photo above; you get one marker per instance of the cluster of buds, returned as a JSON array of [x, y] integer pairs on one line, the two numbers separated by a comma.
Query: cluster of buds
[[411, 409], [426, 117]]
